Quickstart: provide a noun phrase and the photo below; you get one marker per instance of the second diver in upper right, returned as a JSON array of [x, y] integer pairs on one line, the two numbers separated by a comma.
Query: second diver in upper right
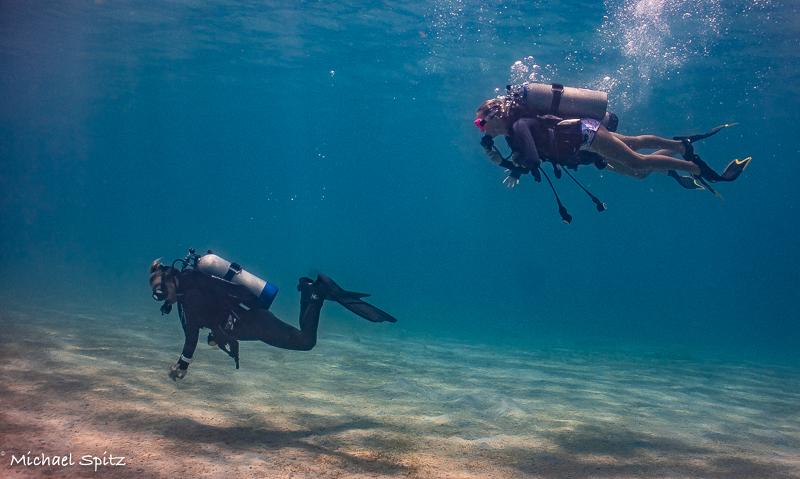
[[567, 127]]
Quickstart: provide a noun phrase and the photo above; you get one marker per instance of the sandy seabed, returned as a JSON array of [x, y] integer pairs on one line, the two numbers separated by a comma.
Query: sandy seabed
[[378, 403]]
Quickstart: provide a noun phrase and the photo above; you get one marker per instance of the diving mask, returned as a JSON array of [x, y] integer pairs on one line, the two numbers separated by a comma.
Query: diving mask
[[160, 295], [481, 122]]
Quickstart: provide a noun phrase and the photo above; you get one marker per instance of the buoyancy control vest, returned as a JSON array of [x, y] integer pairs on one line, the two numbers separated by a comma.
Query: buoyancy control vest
[[558, 109], [562, 142]]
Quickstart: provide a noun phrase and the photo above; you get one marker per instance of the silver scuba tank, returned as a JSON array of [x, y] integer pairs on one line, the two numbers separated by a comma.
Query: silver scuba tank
[[233, 272], [560, 100]]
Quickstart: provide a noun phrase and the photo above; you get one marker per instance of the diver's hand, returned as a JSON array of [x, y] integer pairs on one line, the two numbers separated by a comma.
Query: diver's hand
[[536, 175], [487, 143], [175, 372], [512, 179]]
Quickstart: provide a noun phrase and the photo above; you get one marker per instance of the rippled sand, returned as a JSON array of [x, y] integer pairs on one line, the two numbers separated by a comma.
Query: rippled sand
[[377, 403]]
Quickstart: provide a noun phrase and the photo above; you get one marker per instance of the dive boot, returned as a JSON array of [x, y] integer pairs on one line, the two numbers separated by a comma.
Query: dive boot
[[706, 172], [732, 171], [707, 175], [311, 291]]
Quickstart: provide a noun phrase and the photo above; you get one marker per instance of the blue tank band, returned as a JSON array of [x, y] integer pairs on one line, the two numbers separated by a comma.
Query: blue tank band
[[267, 295]]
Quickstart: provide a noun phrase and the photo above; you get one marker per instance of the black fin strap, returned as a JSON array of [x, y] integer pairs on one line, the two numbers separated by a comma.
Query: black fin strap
[[600, 205], [566, 218]]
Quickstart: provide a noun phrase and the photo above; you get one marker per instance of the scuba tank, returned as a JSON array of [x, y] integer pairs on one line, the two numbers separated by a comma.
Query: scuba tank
[[559, 100], [233, 272]]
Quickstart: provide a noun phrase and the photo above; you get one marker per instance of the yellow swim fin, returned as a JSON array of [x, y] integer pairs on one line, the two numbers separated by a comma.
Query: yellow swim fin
[[735, 168]]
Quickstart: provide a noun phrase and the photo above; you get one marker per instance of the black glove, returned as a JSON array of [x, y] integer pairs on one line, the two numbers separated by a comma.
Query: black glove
[[536, 175], [487, 142]]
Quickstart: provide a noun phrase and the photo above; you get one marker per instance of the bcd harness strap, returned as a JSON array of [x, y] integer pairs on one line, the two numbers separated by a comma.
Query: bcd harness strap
[[558, 91]]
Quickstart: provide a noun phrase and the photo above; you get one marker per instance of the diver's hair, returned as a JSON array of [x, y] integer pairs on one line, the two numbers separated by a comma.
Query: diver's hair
[[502, 107], [154, 266], [169, 271]]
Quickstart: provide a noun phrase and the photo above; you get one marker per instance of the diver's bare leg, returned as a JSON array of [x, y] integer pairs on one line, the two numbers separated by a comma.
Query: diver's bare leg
[[615, 150]]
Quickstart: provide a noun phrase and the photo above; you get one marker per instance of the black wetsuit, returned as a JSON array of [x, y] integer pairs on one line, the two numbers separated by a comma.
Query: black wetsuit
[[233, 313]]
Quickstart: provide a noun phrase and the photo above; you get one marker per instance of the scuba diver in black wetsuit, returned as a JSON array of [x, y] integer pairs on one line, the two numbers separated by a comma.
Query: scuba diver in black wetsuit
[[212, 293], [570, 127]]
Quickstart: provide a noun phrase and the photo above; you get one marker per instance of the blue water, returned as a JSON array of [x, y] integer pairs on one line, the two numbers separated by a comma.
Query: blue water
[[337, 137]]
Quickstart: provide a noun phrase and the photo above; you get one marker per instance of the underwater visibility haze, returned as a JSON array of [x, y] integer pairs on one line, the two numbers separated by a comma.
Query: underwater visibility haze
[[336, 137]]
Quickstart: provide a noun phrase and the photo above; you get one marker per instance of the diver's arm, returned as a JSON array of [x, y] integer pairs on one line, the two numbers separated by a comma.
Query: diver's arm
[[488, 147], [514, 171], [191, 332], [530, 157], [494, 156], [189, 345], [181, 368]]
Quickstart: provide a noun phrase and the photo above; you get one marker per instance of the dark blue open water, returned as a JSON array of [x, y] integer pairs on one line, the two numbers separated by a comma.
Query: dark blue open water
[[337, 137]]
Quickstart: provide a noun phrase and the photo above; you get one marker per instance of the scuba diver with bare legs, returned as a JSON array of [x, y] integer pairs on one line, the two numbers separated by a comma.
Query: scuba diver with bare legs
[[570, 127]]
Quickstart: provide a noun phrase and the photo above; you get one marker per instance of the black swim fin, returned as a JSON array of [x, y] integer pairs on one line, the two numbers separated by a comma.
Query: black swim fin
[[732, 171], [305, 281], [696, 138], [353, 301], [687, 182], [689, 155]]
